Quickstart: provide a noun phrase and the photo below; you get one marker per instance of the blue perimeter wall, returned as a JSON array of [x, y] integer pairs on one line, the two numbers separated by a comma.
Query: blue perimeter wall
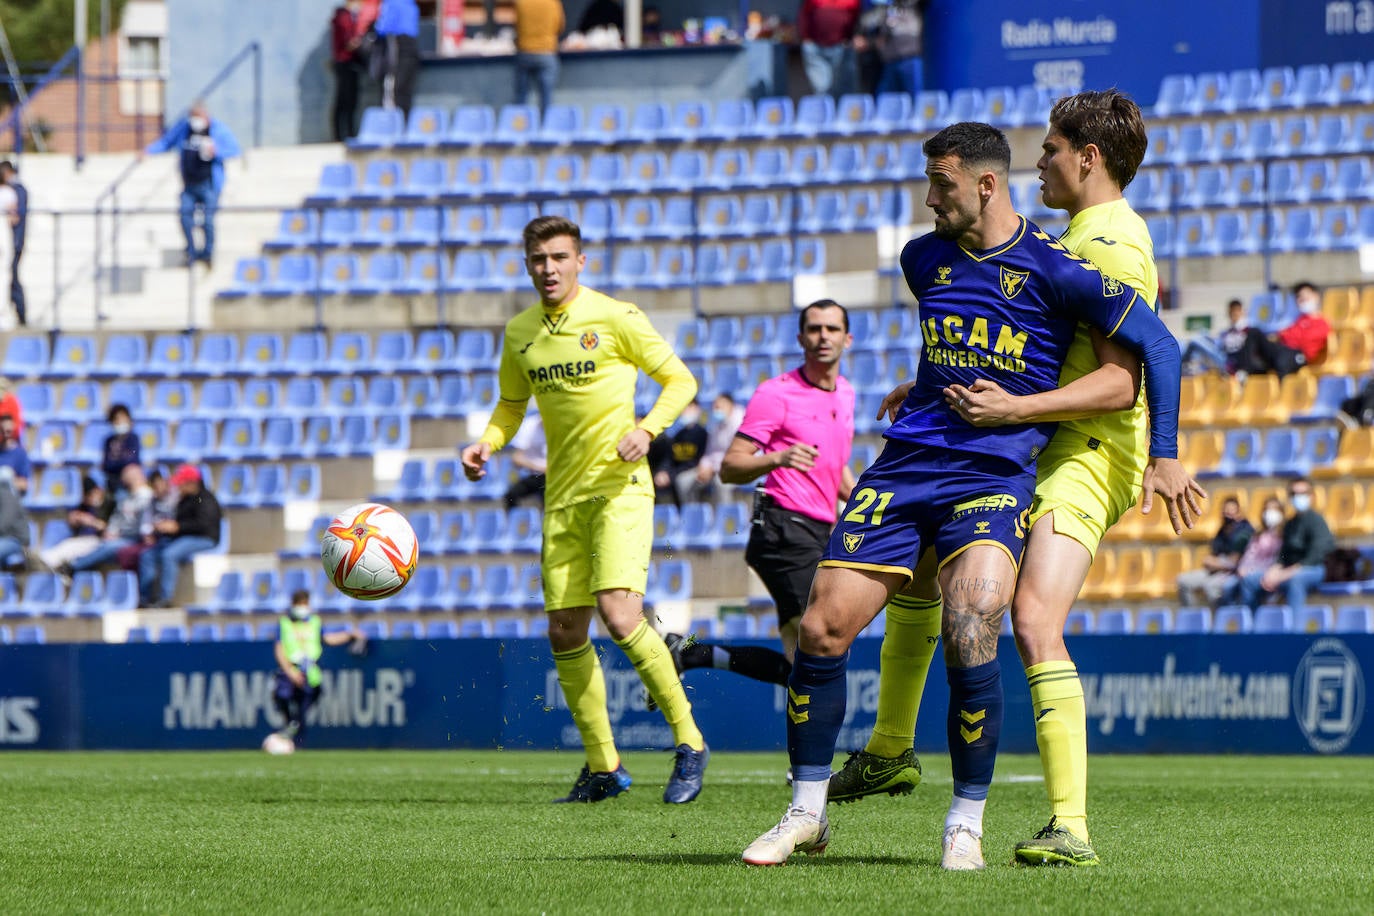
[[1155, 694]]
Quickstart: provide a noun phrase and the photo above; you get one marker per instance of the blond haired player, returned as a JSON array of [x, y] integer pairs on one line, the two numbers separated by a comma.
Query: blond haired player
[[1088, 477], [579, 353]]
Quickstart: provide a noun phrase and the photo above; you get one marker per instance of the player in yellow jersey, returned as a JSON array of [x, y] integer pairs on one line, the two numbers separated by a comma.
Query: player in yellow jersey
[[1088, 476], [579, 354]]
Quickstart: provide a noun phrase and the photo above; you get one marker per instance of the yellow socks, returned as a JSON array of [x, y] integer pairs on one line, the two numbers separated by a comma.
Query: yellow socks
[[645, 649], [584, 687], [909, 640], [1061, 731]]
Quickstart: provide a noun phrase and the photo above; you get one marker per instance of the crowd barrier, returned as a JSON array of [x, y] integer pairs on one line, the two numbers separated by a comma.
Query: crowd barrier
[[1251, 694]]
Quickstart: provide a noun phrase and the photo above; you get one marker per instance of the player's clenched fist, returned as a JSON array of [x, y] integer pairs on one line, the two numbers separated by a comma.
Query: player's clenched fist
[[474, 459]]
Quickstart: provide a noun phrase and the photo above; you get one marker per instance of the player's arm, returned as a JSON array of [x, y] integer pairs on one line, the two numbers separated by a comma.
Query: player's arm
[[679, 388], [1111, 387], [647, 349], [340, 637], [505, 419], [846, 484], [745, 462]]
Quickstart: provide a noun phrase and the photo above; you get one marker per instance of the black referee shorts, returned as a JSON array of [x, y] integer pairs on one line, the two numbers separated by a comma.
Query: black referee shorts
[[784, 549]]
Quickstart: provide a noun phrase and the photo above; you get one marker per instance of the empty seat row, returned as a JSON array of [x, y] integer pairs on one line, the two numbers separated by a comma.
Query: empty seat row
[[1228, 619], [484, 271], [701, 526], [76, 355], [603, 220], [1237, 232], [91, 594], [1344, 83], [1241, 140], [1248, 184], [570, 175], [699, 121]]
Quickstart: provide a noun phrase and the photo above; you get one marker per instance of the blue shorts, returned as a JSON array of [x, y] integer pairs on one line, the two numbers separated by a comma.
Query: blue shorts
[[918, 496]]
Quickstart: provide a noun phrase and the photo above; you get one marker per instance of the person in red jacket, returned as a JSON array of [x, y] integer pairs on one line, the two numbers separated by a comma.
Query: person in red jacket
[[826, 28], [1302, 343]]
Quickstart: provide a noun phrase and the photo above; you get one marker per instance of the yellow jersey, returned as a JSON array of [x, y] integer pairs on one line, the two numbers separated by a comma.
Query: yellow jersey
[[580, 361], [1115, 238]]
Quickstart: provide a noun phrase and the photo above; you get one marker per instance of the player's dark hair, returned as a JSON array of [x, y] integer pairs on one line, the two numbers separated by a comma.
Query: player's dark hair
[[822, 304], [1110, 120], [543, 228], [977, 145], [117, 409], [1305, 284]]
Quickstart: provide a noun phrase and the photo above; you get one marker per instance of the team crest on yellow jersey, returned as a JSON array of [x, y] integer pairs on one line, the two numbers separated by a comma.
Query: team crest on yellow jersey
[[942, 275], [852, 542], [1012, 281], [590, 340], [1111, 286]]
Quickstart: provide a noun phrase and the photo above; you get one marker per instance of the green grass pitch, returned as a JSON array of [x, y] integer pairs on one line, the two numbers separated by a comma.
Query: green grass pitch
[[473, 831]]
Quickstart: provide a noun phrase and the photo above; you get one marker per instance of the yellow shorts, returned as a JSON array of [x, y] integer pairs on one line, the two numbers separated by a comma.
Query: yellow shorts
[[593, 546], [1086, 490]]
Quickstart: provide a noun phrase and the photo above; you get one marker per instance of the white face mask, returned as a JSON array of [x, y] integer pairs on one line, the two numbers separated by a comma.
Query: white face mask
[[122, 428], [1272, 518], [300, 612], [1310, 306], [198, 124], [1301, 501]]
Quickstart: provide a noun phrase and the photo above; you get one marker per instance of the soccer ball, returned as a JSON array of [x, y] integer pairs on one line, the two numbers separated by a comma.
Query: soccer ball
[[278, 744], [369, 551]]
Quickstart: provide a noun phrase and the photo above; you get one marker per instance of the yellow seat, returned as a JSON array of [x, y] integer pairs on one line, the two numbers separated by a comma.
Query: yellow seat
[[1191, 394], [1355, 457], [1341, 306], [1345, 506], [1100, 576], [1349, 352], [1257, 404], [1297, 394], [1219, 392]]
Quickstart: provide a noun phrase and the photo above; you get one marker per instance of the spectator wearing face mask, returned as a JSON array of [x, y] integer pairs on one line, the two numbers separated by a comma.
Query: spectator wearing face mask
[[1205, 585], [121, 445], [1260, 553], [1301, 563], [1302, 343], [204, 143]]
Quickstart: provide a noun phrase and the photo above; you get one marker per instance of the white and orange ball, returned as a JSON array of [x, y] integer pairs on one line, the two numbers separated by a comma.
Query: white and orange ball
[[369, 551]]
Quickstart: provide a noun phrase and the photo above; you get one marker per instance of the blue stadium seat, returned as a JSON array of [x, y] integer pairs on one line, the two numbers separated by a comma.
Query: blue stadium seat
[[441, 629], [651, 122], [1115, 622], [809, 257], [1154, 621], [853, 116], [1264, 139], [295, 229], [1177, 96], [426, 179], [81, 402], [1229, 139], [249, 276], [73, 356], [235, 632], [892, 113], [686, 121], [1244, 90], [516, 125], [1339, 229], [1211, 93], [1354, 619], [966, 104], [813, 116], [516, 176], [1233, 618], [86, 596], [382, 180], [43, 593], [1278, 87], [194, 439], [269, 485], [563, 175], [647, 171], [1274, 619], [170, 355], [500, 587], [1348, 84], [561, 124], [124, 355], [1193, 620], [38, 400], [471, 125], [733, 523], [720, 216], [606, 173], [667, 526], [776, 255], [606, 123], [205, 632], [337, 229], [809, 165], [261, 354], [1354, 179], [121, 590], [425, 127], [337, 181], [473, 176], [1079, 623], [1314, 618], [380, 128], [730, 120], [381, 227], [297, 274], [773, 116], [930, 111], [235, 486], [673, 581]]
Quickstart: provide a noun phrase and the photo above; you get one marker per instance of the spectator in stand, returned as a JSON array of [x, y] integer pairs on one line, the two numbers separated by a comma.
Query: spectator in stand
[[121, 445], [1304, 543], [1359, 410], [9, 404], [345, 37], [204, 143], [673, 456], [601, 14], [398, 33], [87, 523], [1260, 553], [1220, 352], [1302, 343], [194, 530], [122, 527], [530, 454], [898, 40], [162, 509], [19, 220], [538, 25], [1206, 585], [827, 28], [14, 522], [13, 455], [699, 484]]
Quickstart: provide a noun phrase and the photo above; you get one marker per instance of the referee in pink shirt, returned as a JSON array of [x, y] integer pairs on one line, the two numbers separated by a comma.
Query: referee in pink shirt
[[798, 431]]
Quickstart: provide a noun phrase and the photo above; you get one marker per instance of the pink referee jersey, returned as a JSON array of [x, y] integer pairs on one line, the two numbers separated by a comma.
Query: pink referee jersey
[[789, 409]]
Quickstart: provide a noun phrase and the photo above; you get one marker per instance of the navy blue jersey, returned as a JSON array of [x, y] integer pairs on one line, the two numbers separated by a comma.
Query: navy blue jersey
[[1007, 315]]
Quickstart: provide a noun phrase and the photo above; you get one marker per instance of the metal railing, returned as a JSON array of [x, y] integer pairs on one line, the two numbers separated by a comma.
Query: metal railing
[[107, 201]]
